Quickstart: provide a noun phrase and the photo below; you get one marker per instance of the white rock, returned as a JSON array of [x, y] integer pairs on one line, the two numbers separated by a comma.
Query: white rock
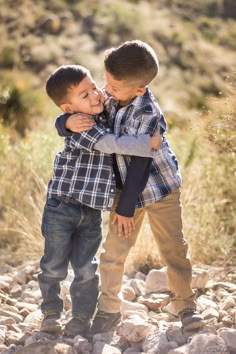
[[16, 290], [184, 349], [34, 318], [162, 316], [210, 313], [45, 347], [5, 281], [128, 293], [228, 303], [156, 281], [204, 303], [133, 313], [134, 329], [132, 306], [138, 285], [154, 301], [200, 278], [18, 318], [3, 331], [103, 348], [208, 343], [30, 307], [140, 276]]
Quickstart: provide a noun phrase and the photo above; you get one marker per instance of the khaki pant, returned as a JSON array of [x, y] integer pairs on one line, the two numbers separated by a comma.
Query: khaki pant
[[166, 225]]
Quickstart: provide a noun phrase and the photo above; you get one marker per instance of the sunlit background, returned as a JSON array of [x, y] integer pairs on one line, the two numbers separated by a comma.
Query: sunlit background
[[195, 42]]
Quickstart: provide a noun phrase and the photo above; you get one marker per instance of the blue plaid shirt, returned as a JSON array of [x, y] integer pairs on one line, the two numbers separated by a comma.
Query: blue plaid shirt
[[84, 174], [143, 116]]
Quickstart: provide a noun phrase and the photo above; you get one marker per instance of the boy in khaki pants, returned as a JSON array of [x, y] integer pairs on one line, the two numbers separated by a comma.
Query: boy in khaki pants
[[149, 185]]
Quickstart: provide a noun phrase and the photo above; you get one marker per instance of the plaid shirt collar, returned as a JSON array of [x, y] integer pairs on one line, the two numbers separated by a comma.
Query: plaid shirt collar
[[117, 114]]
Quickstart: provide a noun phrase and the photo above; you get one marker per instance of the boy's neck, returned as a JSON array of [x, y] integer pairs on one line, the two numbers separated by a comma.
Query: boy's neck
[[122, 103]]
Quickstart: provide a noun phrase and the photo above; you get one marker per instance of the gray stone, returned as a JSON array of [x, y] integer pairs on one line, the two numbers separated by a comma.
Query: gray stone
[[229, 336], [208, 343], [103, 348]]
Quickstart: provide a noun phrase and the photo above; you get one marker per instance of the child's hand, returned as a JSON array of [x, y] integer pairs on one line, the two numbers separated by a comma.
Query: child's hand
[[125, 225], [79, 122], [156, 140]]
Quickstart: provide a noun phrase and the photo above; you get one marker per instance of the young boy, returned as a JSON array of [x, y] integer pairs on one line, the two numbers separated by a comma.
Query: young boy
[[82, 185], [129, 68]]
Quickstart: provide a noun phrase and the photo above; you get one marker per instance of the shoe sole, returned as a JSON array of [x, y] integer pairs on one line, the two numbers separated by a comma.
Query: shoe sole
[[112, 328], [51, 330], [194, 325]]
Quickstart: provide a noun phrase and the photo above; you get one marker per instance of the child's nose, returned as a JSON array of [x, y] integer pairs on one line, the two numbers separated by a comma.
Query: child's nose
[[94, 96]]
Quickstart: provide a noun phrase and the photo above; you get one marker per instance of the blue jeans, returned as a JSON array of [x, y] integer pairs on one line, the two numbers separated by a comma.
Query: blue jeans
[[72, 233]]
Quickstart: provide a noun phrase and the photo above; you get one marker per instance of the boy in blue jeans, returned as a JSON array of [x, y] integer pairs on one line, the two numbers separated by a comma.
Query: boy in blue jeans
[[82, 185], [129, 68]]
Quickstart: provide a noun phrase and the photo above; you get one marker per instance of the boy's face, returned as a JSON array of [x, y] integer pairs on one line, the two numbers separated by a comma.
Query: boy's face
[[122, 90], [84, 98]]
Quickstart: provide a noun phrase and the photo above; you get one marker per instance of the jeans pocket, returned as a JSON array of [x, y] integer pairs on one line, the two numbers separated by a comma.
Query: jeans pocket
[[53, 203]]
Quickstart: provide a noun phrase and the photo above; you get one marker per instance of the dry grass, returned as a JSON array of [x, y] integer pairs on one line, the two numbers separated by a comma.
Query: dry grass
[[206, 151], [193, 65], [25, 170], [207, 157]]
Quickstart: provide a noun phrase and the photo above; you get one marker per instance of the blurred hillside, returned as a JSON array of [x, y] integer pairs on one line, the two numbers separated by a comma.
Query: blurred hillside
[[195, 43]]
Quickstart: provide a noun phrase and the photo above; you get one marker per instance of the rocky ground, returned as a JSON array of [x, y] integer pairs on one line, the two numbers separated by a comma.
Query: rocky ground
[[147, 326]]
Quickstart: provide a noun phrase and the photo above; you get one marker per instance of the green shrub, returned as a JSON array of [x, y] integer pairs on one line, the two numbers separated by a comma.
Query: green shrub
[[8, 56], [19, 102]]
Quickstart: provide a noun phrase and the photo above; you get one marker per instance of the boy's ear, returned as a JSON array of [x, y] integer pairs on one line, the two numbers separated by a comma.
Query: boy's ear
[[140, 91], [65, 107]]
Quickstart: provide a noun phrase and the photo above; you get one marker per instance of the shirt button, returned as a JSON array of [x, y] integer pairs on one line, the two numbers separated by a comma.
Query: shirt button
[[113, 175], [112, 190]]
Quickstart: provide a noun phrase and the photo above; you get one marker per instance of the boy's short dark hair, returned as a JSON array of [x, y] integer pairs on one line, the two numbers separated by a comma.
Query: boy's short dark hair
[[62, 79], [133, 60]]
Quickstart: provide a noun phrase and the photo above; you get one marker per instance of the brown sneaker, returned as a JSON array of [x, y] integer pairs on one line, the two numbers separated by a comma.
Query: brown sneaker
[[191, 320], [77, 325], [51, 323], [104, 322]]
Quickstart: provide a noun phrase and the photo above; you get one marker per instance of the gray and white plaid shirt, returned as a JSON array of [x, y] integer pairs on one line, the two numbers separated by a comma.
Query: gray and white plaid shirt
[[143, 116], [84, 174]]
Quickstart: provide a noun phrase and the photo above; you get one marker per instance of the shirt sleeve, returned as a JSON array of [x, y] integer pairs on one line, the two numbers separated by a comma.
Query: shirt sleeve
[[136, 180], [84, 140], [138, 145], [106, 143], [60, 125]]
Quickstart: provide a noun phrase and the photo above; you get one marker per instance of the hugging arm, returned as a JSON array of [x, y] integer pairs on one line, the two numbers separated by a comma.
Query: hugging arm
[[136, 179], [140, 145], [135, 182]]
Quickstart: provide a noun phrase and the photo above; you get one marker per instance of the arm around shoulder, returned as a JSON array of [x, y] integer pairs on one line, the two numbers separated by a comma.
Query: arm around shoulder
[[137, 145]]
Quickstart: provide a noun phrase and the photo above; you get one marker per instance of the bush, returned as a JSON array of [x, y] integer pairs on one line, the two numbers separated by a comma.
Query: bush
[[19, 102], [8, 56]]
